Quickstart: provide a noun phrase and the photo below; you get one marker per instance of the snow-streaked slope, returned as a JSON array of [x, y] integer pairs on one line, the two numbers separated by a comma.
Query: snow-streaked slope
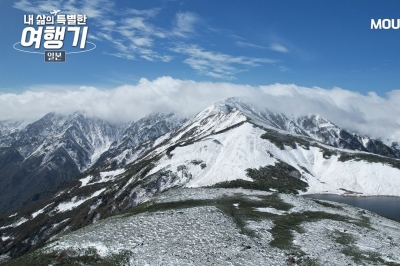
[[9, 130], [75, 202], [55, 149], [10, 126], [147, 128], [214, 118], [221, 157], [140, 137], [226, 156], [101, 178], [84, 138]]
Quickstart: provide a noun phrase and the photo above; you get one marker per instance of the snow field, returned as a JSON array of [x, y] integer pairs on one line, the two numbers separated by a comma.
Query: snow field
[[226, 156]]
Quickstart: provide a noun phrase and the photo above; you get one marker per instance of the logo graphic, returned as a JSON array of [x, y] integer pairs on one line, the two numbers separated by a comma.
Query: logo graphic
[[56, 29], [55, 12]]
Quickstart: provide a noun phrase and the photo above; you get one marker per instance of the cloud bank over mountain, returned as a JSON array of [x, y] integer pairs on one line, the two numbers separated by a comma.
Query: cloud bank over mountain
[[366, 114]]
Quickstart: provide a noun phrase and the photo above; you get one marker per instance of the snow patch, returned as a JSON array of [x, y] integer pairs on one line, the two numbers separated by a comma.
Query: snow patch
[[75, 202], [40, 211], [271, 210], [5, 238], [16, 224], [104, 177]]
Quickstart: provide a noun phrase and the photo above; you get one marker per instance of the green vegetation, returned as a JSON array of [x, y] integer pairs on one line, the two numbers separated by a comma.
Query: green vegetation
[[327, 153], [165, 206], [364, 222], [196, 162], [70, 258], [306, 261], [343, 238], [286, 224], [281, 177], [359, 256], [246, 210], [369, 158], [327, 204], [280, 140]]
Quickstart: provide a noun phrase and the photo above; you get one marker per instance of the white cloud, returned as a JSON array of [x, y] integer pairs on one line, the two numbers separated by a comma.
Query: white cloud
[[135, 37], [278, 48], [275, 47], [284, 69], [92, 8], [137, 23], [216, 64], [122, 55], [184, 24], [144, 13], [246, 44], [367, 114]]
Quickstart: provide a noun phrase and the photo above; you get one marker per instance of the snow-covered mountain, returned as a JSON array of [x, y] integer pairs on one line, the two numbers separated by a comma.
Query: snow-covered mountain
[[81, 136], [313, 126], [48, 152], [139, 137], [37, 157], [9, 128], [229, 144], [225, 139]]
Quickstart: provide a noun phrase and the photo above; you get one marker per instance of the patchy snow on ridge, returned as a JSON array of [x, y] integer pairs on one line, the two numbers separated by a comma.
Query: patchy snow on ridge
[[36, 213], [75, 202], [212, 119], [104, 177], [12, 215], [270, 210], [16, 224]]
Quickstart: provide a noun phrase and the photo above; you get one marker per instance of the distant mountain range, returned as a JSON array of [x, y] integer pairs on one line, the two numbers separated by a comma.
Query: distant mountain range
[[57, 148], [69, 171]]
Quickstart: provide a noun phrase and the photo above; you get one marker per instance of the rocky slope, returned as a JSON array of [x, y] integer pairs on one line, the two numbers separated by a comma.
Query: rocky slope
[[228, 227]]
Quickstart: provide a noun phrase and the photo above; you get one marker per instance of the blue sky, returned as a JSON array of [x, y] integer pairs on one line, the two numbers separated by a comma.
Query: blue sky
[[308, 43]]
